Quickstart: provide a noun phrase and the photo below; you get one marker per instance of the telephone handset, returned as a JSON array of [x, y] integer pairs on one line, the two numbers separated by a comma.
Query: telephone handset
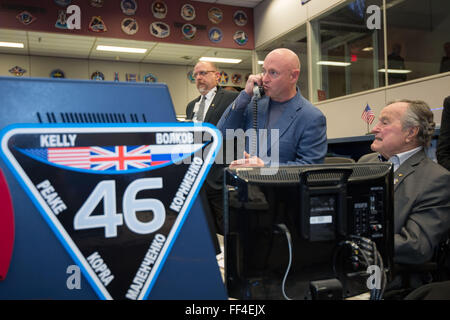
[[258, 92]]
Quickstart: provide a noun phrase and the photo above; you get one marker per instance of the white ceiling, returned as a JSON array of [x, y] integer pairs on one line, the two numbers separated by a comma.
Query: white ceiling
[[83, 47]]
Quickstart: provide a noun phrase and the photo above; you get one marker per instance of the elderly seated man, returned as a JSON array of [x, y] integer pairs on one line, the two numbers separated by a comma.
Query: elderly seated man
[[421, 186]]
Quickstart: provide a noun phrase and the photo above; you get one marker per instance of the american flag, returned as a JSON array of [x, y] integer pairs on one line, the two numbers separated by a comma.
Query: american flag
[[368, 115], [112, 158]]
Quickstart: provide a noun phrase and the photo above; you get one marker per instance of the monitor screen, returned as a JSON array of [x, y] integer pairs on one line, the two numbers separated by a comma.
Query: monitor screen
[[287, 229]]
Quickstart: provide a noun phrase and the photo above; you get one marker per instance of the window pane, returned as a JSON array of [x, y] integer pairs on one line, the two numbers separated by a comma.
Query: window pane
[[348, 50], [418, 38]]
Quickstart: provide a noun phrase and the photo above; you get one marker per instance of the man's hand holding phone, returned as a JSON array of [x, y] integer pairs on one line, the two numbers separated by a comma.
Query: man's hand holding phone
[[253, 80]]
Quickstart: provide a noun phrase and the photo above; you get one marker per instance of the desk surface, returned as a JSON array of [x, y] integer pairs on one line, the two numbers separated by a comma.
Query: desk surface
[[365, 138]]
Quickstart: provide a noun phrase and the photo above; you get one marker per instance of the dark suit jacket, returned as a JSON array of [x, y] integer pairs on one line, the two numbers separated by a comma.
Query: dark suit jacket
[[219, 104], [221, 101], [443, 147], [421, 207]]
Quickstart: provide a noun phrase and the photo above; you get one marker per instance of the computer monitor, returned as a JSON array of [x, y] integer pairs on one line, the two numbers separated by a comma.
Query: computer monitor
[[287, 228]]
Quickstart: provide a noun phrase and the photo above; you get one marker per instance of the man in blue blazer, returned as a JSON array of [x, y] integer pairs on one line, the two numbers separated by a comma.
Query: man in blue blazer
[[289, 129]]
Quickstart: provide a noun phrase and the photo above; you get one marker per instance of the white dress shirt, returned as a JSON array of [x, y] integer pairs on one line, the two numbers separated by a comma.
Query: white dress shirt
[[398, 159], [209, 98]]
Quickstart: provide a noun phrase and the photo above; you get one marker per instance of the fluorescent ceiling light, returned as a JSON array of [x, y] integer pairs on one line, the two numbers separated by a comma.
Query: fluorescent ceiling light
[[11, 44], [121, 49], [368, 49], [395, 70], [223, 60], [334, 63]]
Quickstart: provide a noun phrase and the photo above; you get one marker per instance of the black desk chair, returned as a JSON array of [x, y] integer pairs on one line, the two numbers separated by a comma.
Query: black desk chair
[[409, 278], [338, 160]]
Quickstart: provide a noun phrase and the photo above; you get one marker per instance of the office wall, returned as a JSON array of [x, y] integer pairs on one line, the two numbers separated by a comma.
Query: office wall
[[344, 114], [175, 76], [273, 18]]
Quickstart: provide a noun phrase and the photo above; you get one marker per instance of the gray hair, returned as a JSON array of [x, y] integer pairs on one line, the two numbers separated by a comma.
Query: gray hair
[[419, 115]]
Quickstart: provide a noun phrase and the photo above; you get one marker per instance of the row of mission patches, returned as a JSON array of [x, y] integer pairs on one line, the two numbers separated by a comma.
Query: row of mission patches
[[159, 29]]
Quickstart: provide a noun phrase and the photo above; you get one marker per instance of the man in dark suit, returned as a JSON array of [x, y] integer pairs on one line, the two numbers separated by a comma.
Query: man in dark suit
[[421, 186], [396, 62], [443, 147], [217, 99], [209, 107]]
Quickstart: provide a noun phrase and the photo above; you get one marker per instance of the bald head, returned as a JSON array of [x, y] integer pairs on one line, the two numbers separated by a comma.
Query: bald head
[[281, 70], [287, 56]]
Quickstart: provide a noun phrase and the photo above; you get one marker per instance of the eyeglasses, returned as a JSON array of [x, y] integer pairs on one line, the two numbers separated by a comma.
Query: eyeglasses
[[201, 73], [272, 73]]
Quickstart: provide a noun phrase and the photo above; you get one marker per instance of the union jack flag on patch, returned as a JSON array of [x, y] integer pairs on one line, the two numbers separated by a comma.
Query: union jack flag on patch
[[112, 158]]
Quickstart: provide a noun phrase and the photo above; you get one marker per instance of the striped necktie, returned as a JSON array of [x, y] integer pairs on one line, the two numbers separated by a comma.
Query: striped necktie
[[201, 109]]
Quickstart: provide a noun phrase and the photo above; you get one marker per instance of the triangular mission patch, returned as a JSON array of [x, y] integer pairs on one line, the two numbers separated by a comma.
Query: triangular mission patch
[[115, 196]]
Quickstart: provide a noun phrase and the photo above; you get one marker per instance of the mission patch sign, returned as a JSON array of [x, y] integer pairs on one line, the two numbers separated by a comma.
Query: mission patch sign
[[115, 196]]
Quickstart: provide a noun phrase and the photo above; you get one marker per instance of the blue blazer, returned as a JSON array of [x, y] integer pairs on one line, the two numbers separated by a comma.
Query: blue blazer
[[301, 138]]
